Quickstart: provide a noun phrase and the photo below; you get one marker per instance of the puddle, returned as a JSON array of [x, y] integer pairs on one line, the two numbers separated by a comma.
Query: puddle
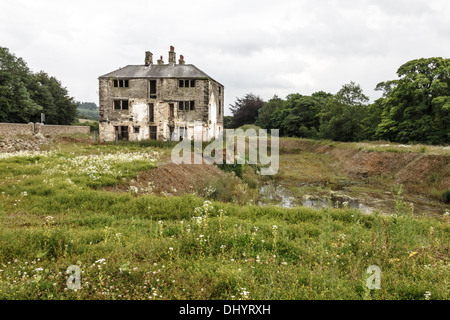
[[276, 195], [280, 196], [335, 201]]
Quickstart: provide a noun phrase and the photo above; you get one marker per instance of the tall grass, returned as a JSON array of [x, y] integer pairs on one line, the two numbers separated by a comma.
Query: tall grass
[[53, 214]]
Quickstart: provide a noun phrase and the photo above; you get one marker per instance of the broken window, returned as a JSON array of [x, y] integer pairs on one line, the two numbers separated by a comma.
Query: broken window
[[121, 83], [152, 89], [120, 104], [121, 132], [151, 112]]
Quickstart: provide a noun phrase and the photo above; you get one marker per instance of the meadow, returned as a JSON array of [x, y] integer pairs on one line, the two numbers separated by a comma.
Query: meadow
[[56, 213]]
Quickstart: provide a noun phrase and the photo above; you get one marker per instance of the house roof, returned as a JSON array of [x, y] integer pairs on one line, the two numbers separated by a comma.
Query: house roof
[[158, 71]]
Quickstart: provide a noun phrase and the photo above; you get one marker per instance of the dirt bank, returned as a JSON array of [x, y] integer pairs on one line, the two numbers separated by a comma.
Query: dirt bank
[[170, 178]]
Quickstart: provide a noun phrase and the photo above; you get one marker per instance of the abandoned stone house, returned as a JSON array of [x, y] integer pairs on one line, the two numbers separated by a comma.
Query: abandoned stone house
[[160, 101]]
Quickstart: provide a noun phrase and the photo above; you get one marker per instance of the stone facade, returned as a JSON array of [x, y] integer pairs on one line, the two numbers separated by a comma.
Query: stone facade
[[158, 101]]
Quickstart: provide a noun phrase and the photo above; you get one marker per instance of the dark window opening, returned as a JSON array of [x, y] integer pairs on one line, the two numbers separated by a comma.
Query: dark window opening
[[151, 112], [220, 107], [121, 83], [153, 131], [121, 132], [136, 129], [120, 104], [186, 83], [186, 105], [171, 110], [152, 89]]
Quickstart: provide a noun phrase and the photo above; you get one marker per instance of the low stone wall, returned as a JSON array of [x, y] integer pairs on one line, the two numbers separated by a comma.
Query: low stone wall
[[16, 129], [53, 130]]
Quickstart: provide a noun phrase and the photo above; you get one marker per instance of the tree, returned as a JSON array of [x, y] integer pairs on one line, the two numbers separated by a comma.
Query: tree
[[302, 119], [342, 115], [16, 104], [227, 122], [267, 114], [245, 110], [24, 95], [416, 107]]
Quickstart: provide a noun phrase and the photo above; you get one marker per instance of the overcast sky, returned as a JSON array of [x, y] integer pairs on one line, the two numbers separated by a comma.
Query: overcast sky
[[264, 47]]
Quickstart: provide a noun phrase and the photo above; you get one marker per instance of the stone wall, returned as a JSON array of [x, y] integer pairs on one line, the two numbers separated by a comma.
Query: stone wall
[[16, 129], [53, 130]]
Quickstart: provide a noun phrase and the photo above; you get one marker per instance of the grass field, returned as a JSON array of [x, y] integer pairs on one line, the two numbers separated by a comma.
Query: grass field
[[55, 213]]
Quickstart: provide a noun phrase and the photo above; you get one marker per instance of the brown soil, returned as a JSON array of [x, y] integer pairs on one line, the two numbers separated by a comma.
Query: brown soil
[[170, 178], [403, 167]]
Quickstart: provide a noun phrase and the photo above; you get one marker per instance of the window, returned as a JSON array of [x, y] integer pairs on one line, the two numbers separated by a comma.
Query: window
[[121, 132], [184, 83], [171, 110], [186, 105], [151, 112], [152, 89], [153, 131], [220, 107], [121, 83], [120, 104], [136, 129]]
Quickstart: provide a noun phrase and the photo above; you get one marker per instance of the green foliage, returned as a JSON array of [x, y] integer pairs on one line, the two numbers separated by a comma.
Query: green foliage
[[416, 107], [245, 110], [227, 122], [25, 95], [87, 110], [185, 248], [342, 115]]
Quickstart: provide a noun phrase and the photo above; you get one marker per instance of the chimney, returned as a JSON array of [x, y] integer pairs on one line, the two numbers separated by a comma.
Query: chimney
[[181, 61], [172, 58], [160, 61], [148, 58]]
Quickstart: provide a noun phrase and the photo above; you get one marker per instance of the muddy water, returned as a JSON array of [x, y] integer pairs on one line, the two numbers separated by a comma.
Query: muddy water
[[279, 196]]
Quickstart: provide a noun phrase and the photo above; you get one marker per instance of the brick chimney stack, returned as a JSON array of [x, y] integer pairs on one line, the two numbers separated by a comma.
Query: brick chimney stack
[[148, 58], [160, 61], [172, 56], [181, 61]]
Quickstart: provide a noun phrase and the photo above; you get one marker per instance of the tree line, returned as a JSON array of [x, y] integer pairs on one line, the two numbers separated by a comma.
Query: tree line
[[413, 108], [24, 95]]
